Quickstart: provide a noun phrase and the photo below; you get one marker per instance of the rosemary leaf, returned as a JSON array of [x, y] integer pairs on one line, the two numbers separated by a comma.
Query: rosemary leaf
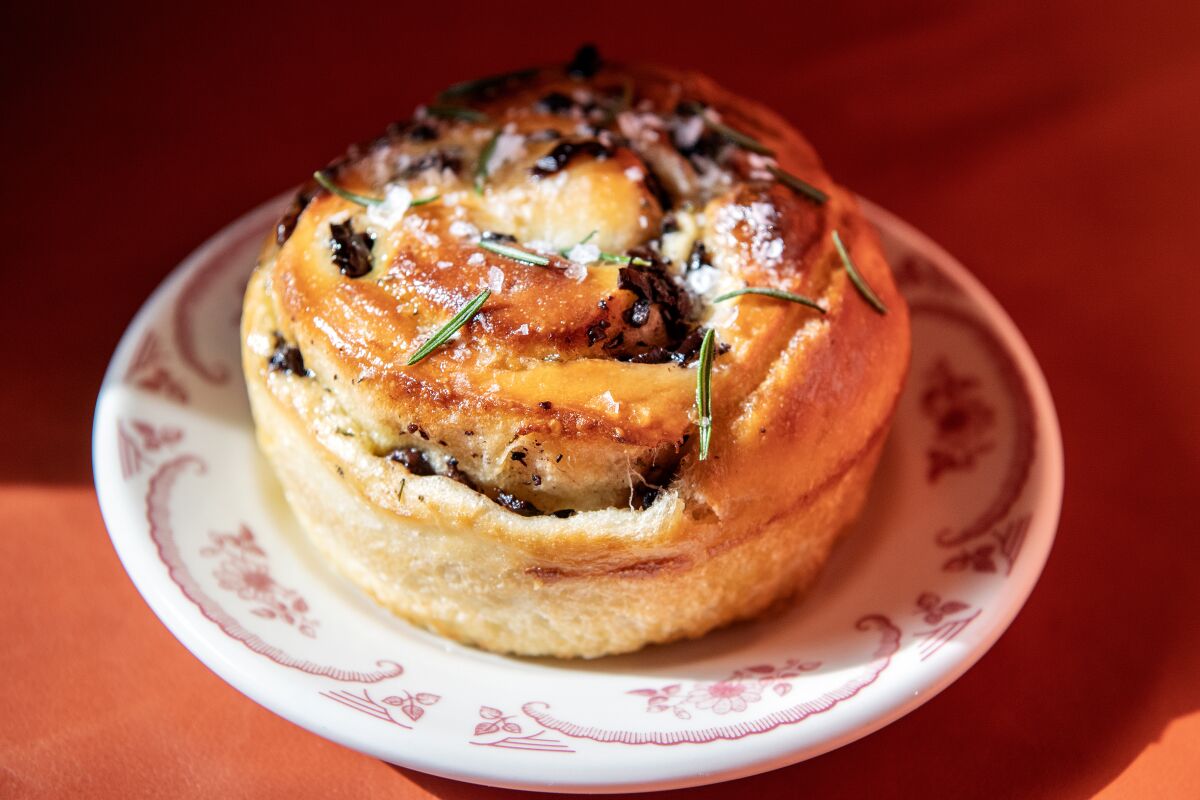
[[778, 294], [800, 187], [460, 319], [613, 258], [737, 137], [423, 200], [328, 184], [456, 112], [485, 155], [742, 140], [515, 253], [857, 279], [362, 199], [704, 390]]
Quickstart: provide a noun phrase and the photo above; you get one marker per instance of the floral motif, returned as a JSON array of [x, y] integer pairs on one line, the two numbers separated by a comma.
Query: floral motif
[[733, 694], [496, 721], [162, 532], [244, 571], [725, 696], [980, 560], [147, 371], [1007, 540], [138, 439], [935, 612], [931, 605], [964, 421], [411, 705]]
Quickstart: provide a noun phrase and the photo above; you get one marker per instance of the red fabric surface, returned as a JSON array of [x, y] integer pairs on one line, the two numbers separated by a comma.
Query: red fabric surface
[[1053, 147]]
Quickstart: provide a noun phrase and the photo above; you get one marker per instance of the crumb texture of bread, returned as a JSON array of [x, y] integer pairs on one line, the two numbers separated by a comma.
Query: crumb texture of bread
[[533, 485]]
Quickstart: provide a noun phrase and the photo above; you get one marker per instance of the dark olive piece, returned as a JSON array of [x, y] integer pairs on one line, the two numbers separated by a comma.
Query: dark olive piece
[[351, 251], [413, 460], [287, 358], [564, 152], [517, 505], [586, 62]]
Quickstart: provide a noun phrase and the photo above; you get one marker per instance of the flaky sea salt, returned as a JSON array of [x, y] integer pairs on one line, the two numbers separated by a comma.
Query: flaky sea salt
[[610, 402], [758, 166], [387, 214], [575, 271], [584, 253], [463, 229], [702, 280], [495, 279], [510, 146], [476, 260]]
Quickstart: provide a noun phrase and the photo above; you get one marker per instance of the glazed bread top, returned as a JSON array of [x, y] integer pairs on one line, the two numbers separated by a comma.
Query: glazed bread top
[[604, 208]]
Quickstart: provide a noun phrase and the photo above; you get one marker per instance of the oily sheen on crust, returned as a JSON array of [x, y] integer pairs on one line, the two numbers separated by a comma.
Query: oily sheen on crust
[[533, 485]]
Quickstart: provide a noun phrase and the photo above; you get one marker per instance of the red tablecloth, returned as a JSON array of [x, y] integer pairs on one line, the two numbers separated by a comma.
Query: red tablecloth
[[1055, 148]]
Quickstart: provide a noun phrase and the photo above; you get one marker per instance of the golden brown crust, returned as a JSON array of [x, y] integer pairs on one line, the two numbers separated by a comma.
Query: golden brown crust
[[534, 402]]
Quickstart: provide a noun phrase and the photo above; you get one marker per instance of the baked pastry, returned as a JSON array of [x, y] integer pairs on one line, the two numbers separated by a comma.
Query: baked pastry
[[605, 449]]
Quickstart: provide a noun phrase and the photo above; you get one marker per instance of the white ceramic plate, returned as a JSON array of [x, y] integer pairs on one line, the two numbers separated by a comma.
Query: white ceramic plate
[[959, 524]]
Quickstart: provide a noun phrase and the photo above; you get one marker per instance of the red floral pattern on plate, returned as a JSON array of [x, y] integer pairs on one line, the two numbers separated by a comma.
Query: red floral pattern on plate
[[494, 721], [244, 570], [1006, 545], [137, 439], [148, 370], [162, 533], [990, 521], [964, 421], [412, 706], [733, 694], [934, 610], [794, 713]]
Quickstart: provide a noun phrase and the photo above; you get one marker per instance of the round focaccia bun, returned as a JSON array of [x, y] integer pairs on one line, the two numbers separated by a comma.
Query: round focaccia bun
[[536, 483]]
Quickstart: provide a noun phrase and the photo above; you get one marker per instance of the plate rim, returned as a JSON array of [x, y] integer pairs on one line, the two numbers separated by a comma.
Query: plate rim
[[1048, 504]]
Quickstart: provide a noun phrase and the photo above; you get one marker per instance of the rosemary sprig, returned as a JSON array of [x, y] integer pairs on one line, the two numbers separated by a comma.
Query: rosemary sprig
[[778, 294], [515, 253], [423, 200], [742, 140], [485, 155], [480, 85], [856, 278], [800, 187], [447, 111], [704, 390], [362, 199], [331, 187], [626, 261], [450, 328]]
